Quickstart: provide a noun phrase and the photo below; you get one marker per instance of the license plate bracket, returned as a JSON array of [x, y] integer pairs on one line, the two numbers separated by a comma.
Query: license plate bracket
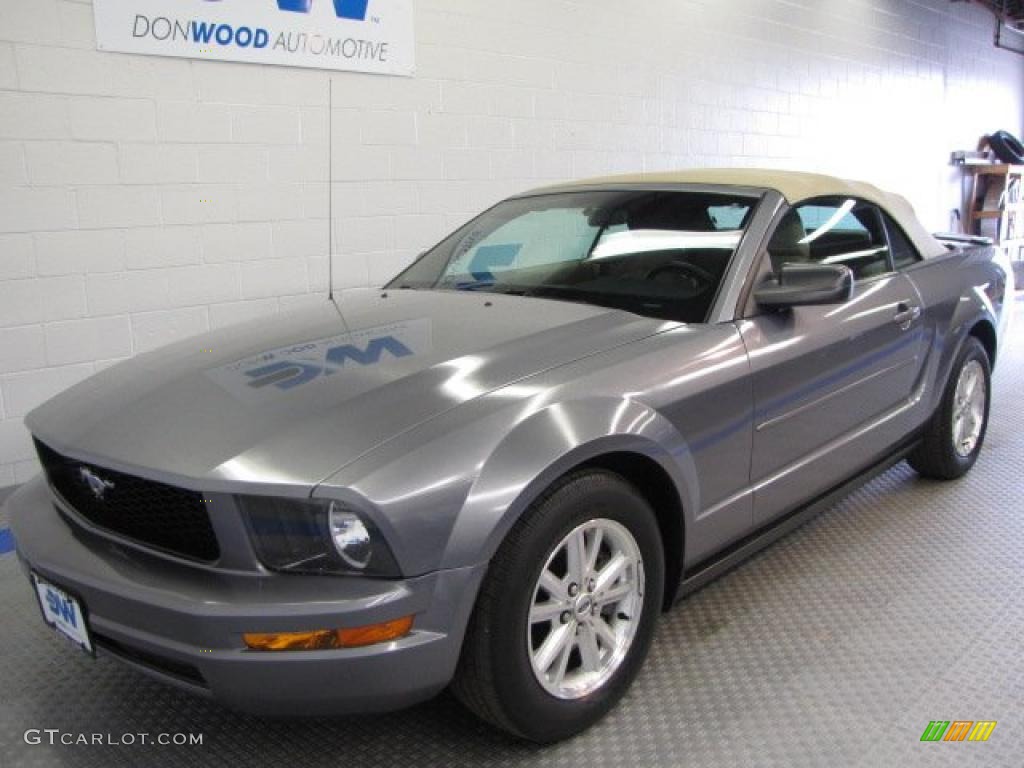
[[64, 612]]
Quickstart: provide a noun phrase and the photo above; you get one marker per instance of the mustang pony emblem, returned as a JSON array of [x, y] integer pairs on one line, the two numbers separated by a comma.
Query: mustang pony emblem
[[96, 484]]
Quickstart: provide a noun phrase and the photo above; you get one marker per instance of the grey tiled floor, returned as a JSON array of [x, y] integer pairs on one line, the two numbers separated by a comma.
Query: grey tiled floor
[[834, 647], [4, 493]]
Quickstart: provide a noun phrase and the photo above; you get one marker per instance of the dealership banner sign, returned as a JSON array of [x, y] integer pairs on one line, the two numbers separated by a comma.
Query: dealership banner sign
[[356, 35]]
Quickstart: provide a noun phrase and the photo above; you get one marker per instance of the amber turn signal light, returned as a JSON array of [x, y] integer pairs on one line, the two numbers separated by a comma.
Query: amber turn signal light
[[325, 639]]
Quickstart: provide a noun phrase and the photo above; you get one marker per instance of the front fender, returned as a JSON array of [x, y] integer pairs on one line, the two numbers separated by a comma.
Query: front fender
[[550, 443]]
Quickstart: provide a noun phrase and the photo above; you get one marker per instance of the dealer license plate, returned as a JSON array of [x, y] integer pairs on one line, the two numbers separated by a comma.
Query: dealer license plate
[[63, 612]]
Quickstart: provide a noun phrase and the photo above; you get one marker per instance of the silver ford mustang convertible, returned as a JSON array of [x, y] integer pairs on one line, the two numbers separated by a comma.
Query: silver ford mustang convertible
[[495, 472]]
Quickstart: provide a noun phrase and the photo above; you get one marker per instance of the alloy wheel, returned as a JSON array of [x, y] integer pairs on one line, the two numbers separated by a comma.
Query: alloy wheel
[[586, 609], [969, 408]]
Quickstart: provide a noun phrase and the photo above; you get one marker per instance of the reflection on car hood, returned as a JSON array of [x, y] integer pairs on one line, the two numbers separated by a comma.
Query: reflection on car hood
[[287, 400]]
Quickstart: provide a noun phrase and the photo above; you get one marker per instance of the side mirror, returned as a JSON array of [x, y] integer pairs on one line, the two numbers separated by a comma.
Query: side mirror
[[806, 284]]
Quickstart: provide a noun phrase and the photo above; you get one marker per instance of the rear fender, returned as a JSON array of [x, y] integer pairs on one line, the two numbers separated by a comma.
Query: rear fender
[[961, 291]]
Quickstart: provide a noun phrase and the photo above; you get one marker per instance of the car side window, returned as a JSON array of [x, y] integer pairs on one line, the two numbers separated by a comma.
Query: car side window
[[832, 231], [904, 254]]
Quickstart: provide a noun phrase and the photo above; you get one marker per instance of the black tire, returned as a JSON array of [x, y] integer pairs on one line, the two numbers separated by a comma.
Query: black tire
[[495, 679], [937, 457], [1007, 147]]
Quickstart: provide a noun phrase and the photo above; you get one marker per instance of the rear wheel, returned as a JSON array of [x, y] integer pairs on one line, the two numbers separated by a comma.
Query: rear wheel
[[567, 611], [954, 436]]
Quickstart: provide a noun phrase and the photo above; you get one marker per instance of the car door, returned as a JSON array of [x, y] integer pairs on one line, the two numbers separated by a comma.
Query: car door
[[832, 384]]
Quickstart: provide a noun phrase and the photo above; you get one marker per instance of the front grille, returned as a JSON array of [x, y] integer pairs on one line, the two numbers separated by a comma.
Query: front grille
[[171, 519]]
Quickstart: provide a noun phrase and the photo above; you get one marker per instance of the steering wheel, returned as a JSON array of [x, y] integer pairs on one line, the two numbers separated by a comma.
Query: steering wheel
[[692, 271]]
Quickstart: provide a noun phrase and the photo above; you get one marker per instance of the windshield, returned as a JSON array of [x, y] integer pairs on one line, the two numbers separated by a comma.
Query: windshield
[[655, 253]]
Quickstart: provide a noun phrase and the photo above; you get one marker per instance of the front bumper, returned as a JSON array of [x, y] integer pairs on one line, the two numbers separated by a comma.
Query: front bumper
[[184, 624]]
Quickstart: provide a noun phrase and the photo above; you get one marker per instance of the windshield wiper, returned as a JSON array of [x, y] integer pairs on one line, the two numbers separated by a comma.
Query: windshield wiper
[[559, 294], [507, 290]]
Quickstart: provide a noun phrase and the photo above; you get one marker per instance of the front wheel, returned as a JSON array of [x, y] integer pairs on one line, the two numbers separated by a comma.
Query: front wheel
[[954, 436], [567, 611]]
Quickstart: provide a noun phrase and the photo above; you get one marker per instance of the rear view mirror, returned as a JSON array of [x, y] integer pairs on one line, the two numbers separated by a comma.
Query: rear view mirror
[[806, 284]]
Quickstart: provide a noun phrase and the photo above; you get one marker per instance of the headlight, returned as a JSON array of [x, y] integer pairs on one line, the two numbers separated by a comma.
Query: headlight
[[313, 536], [351, 537]]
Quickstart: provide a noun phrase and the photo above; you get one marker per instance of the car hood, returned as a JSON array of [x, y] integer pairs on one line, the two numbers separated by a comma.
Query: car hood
[[284, 402]]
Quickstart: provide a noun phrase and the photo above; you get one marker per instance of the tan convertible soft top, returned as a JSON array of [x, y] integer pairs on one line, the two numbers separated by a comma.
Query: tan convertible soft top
[[795, 187]]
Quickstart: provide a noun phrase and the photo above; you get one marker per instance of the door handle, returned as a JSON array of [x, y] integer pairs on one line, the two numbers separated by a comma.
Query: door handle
[[906, 314]]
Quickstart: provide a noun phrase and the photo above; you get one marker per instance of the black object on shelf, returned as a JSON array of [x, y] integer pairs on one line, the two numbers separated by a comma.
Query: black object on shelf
[[1007, 147]]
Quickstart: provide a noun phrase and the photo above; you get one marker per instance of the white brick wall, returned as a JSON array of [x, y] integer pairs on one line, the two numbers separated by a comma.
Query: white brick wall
[[145, 199]]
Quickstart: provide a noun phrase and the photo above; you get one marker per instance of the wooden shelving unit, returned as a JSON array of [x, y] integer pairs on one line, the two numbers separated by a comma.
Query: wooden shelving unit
[[997, 192]]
